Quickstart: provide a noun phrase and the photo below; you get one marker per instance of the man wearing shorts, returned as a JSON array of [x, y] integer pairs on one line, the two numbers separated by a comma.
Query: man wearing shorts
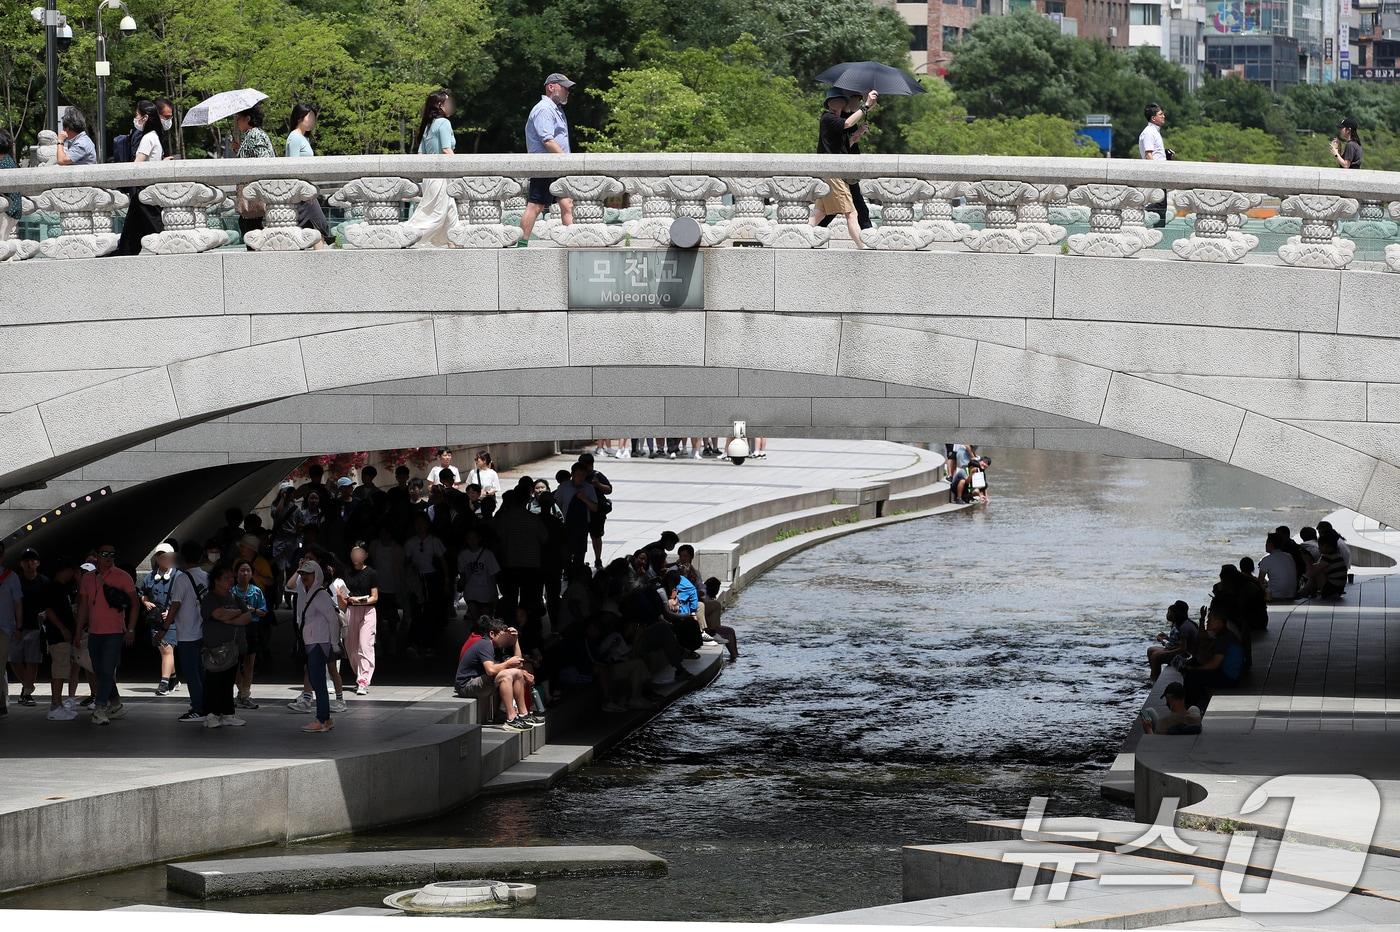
[[48, 602], [547, 130], [27, 644]]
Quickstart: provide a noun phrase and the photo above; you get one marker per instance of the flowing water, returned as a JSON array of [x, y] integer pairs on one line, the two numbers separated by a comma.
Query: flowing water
[[892, 685]]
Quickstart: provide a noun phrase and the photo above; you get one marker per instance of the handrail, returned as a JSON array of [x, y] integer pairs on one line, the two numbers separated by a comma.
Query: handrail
[[1271, 180]]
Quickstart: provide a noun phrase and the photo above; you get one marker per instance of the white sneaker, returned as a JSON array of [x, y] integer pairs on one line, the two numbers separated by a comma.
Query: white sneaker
[[212, 721], [232, 720], [338, 705], [302, 704], [61, 714], [70, 704], [361, 689]]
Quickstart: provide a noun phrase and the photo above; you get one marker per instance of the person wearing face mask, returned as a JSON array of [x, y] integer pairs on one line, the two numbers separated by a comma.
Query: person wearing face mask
[[143, 219]]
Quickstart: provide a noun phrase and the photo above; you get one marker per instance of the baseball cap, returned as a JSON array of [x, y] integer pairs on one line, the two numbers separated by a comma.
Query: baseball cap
[[250, 540], [29, 554], [344, 482], [559, 79], [165, 548], [307, 566], [88, 567]]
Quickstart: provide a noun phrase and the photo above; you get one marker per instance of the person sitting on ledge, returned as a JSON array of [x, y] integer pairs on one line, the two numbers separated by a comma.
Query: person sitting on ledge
[[1182, 639], [1179, 719], [1309, 546], [495, 662], [1327, 578], [1278, 571], [713, 611], [1221, 663]]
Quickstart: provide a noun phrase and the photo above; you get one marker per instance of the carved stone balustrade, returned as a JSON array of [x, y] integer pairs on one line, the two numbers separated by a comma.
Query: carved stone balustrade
[[1033, 214], [1318, 246], [1135, 218], [658, 211], [184, 214], [1000, 200], [1370, 223], [897, 197], [1213, 239], [588, 193], [280, 233], [513, 207], [791, 227], [1106, 237], [380, 201], [1064, 211], [691, 195], [84, 221], [481, 218], [17, 250], [750, 221], [1392, 253], [938, 211]]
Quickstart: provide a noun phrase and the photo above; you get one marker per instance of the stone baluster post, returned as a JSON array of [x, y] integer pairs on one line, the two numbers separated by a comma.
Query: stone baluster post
[[658, 210], [1033, 214], [1370, 223], [1392, 252], [481, 221], [1106, 237], [184, 213], [750, 221], [791, 227], [588, 193], [691, 194], [17, 250], [1002, 233], [896, 197], [938, 211], [280, 233], [84, 221], [380, 200], [1135, 218], [1318, 246], [1212, 239], [513, 207]]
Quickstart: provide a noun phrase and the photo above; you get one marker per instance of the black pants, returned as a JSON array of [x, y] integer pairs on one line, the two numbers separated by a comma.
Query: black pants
[[520, 586], [218, 691], [141, 220], [310, 216], [428, 612], [862, 208]]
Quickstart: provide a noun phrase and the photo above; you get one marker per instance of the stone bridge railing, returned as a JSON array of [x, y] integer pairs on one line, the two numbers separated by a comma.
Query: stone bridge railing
[[1020, 203]]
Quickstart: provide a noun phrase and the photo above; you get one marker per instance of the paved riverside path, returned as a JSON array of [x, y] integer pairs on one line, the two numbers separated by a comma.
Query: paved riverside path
[[158, 790]]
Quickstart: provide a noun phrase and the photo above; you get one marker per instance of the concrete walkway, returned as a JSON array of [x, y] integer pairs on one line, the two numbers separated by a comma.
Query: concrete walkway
[[157, 790]]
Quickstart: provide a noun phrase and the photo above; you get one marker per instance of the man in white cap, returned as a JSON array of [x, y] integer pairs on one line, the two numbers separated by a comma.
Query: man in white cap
[[547, 130]]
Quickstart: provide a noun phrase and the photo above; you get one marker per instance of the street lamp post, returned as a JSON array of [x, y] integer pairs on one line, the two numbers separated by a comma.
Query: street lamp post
[[51, 63], [104, 69]]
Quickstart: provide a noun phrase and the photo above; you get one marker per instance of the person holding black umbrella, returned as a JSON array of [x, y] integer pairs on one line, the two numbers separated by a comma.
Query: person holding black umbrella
[[832, 139], [853, 102]]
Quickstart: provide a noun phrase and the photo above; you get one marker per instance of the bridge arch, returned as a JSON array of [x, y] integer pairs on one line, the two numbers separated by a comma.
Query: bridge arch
[[45, 439]]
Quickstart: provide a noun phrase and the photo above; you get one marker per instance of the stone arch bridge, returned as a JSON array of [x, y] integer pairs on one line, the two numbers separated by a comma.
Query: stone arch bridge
[[1003, 329]]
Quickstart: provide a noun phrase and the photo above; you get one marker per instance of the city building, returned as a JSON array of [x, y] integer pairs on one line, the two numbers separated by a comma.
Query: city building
[[1377, 24], [939, 24]]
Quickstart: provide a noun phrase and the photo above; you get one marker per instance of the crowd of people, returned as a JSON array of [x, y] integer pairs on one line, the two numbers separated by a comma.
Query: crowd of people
[[362, 570], [1214, 650], [966, 470]]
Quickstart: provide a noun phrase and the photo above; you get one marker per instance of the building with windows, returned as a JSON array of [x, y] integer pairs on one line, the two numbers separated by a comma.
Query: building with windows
[[938, 25], [1377, 27]]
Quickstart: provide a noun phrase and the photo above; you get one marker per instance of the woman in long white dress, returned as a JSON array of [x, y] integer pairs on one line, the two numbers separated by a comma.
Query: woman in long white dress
[[436, 212]]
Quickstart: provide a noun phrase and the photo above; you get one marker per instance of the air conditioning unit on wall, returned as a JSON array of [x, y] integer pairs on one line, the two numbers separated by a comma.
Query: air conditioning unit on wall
[[1178, 4]]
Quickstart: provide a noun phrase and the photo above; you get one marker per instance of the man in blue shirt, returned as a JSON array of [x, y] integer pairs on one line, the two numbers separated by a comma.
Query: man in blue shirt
[[547, 130], [74, 144]]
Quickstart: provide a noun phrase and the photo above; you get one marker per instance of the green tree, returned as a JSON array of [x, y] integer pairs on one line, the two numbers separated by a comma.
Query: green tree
[[21, 71], [944, 129], [1015, 66], [1224, 142], [805, 37]]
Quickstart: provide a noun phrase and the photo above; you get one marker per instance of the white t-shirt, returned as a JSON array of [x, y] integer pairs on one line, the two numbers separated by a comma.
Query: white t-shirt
[[1150, 140], [1282, 573], [486, 478], [424, 552], [437, 471], [478, 571], [150, 147]]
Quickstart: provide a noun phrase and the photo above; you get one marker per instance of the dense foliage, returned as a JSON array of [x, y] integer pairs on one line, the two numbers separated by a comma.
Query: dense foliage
[[656, 75]]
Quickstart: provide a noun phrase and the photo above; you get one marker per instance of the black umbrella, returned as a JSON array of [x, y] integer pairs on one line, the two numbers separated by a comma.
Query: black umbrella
[[867, 76]]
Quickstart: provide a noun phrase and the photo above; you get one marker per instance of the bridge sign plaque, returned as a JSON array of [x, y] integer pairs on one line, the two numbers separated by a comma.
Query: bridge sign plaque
[[652, 279]]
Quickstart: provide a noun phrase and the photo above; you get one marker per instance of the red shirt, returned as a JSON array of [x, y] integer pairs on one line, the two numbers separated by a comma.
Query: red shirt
[[102, 618], [471, 639]]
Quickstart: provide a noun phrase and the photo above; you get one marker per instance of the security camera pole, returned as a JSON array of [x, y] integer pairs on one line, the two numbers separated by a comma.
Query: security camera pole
[[104, 68]]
